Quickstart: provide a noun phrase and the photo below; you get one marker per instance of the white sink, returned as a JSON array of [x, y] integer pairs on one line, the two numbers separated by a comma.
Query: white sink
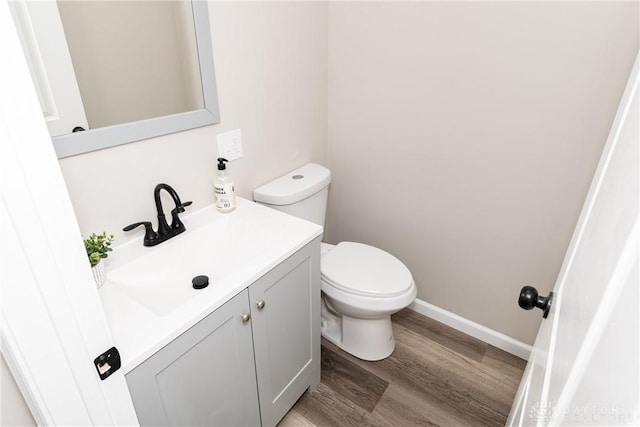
[[148, 297], [159, 278]]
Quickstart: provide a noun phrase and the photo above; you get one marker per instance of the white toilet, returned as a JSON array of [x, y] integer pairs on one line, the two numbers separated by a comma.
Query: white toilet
[[361, 285]]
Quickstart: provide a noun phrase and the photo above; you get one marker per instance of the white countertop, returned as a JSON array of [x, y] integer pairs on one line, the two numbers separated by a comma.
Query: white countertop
[[138, 272]]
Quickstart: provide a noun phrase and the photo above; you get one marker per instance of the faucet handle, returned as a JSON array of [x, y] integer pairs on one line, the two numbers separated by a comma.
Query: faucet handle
[[149, 233], [175, 221], [180, 208]]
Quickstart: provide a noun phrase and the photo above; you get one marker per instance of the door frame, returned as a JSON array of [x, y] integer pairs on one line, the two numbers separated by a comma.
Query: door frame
[[52, 325]]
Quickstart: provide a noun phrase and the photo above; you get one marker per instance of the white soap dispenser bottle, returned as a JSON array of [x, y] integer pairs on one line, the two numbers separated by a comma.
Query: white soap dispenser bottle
[[223, 187]]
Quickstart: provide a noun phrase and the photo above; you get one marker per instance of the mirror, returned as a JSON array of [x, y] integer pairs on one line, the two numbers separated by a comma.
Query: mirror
[[116, 93]]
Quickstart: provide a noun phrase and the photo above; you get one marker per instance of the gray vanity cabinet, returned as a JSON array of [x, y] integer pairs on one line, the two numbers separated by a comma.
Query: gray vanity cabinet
[[206, 376], [285, 313], [246, 363]]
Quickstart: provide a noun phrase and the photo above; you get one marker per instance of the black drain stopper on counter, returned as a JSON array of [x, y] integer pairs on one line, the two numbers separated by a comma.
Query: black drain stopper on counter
[[200, 282]]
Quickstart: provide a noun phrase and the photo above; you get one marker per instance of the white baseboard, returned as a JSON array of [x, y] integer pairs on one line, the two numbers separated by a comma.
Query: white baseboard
[[476, 330]]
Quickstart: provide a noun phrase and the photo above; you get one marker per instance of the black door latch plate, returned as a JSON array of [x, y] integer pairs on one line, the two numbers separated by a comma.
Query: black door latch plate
[[107, 363]]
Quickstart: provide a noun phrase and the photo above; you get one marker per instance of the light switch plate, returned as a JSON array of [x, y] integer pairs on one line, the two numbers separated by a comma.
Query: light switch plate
[[230, 145]]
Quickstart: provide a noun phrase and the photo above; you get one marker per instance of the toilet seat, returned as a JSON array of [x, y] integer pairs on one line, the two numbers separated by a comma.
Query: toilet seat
[[365, 270]]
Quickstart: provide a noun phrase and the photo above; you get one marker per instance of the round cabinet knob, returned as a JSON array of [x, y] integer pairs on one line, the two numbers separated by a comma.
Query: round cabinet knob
[[260, 304], [530, 299], [246, 317]]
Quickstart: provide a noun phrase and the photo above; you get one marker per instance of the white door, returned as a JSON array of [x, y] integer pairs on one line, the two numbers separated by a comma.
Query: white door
[[584, 367], [52, 326], [43, 40]]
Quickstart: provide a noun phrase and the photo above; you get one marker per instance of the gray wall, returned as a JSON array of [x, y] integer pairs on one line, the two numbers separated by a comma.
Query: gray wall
[[463, 138]]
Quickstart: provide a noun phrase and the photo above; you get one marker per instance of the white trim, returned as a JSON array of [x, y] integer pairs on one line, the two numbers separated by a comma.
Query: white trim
[[476, 330]]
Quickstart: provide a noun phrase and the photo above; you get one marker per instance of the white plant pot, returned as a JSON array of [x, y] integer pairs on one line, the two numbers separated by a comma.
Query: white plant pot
[[99, 273]]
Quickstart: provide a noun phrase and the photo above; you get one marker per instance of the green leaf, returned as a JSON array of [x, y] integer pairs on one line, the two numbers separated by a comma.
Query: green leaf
[[97, 246]]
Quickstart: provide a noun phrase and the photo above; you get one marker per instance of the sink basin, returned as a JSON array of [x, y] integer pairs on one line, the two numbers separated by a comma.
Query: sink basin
[[148, 297], [159, 278]]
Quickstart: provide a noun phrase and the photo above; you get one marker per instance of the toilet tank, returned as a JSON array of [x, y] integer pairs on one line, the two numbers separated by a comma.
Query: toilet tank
[[302, 193]]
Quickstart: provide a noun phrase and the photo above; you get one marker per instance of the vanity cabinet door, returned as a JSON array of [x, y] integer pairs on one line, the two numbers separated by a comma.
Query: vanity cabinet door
[[205, 377], [285, 315]]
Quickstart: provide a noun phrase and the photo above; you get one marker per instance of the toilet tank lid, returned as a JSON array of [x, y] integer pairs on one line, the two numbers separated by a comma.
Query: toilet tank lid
[[294, 186]]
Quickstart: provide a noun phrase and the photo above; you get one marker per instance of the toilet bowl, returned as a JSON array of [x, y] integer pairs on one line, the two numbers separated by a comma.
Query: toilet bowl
[[362, 286]]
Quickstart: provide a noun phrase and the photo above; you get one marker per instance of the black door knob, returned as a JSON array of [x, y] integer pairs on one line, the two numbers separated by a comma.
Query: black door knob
[[530, 299]]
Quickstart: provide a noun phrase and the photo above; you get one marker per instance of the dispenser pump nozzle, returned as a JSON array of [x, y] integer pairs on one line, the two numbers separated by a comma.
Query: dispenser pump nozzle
[[221, 165]]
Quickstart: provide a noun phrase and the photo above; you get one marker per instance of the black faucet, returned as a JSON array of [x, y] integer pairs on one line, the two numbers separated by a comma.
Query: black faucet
[[165, 231]]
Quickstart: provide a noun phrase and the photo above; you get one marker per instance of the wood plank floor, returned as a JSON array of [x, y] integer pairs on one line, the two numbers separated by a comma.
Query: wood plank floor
[[437, 376]]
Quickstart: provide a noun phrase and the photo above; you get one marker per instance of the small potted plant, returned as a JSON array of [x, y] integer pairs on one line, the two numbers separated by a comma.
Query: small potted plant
[[98, 246]]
